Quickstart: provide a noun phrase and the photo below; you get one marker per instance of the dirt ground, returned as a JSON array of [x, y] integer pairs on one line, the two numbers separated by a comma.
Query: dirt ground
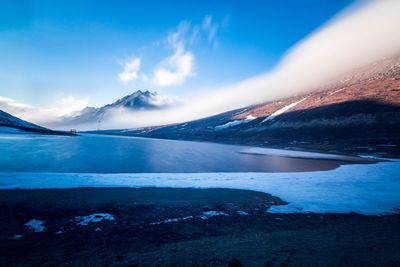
[[243, 234]]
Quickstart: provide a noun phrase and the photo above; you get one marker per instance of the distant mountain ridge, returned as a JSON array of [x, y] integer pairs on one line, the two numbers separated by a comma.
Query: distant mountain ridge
[[358, 112], [136, 101]]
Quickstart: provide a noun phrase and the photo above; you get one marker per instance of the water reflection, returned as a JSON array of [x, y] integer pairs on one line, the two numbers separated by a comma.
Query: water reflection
[[112, 154]]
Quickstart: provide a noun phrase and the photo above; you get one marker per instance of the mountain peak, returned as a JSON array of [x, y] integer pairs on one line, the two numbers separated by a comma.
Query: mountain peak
[[136, 100], [138, 93]]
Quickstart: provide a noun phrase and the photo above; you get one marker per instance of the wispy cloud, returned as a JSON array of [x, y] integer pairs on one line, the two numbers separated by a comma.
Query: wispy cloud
[[130, 70], [13, 105], [175, 69], [364, 33], [65, 106], [211, 28], [69, 104]]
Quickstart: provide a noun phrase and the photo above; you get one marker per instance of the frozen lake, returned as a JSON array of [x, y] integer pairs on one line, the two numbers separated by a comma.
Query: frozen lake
[[116, 154], [36, 161]]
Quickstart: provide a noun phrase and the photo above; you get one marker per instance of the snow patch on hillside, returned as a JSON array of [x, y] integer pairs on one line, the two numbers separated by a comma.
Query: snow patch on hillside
[[203, 216], [93, 218], [234, 123], [336, 91], [282, 110], [36, 225], [172, 220], [212, 213]]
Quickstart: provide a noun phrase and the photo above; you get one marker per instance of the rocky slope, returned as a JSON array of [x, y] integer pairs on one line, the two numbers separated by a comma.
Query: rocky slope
[[10, 123], [8, 120], [359, 112]]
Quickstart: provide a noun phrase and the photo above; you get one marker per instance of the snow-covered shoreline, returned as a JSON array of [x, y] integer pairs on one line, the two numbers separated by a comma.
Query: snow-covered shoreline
[[303, 154], [371, 189]]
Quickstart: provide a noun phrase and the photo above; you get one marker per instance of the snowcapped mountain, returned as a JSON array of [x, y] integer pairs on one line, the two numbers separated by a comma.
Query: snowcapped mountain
[[139, 100], [136, 101], [357, 112]]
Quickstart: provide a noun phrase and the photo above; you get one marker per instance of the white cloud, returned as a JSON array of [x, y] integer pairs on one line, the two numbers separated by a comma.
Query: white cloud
[[13, 105], [361, 35], [130, 70], [175, 69], [69, 105], [164, 101], [211, 28], [365, 33], [65, 106]]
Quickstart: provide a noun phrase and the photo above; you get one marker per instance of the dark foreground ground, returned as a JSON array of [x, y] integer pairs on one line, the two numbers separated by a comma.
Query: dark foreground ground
[[234, 239]]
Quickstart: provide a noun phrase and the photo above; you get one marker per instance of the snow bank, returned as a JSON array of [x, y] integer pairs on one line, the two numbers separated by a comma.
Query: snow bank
[[204, 216], [172, 220], [36, 225], [208, 214], [93, 218], [17, 236], [371, 189]]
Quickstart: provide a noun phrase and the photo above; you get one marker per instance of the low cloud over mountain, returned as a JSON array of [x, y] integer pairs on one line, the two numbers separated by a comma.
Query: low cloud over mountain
[[134, 103]]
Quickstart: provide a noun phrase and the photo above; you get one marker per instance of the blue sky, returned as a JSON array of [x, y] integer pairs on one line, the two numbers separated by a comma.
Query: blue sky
[[99, 51]]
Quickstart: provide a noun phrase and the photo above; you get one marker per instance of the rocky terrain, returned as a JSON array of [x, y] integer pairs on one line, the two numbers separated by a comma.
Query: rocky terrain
[[359, 112], [9, 120], [11, 123], [183, 227]]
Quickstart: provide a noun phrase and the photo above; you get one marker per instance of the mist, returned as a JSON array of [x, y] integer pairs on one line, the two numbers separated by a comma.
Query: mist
[[363, 33]]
